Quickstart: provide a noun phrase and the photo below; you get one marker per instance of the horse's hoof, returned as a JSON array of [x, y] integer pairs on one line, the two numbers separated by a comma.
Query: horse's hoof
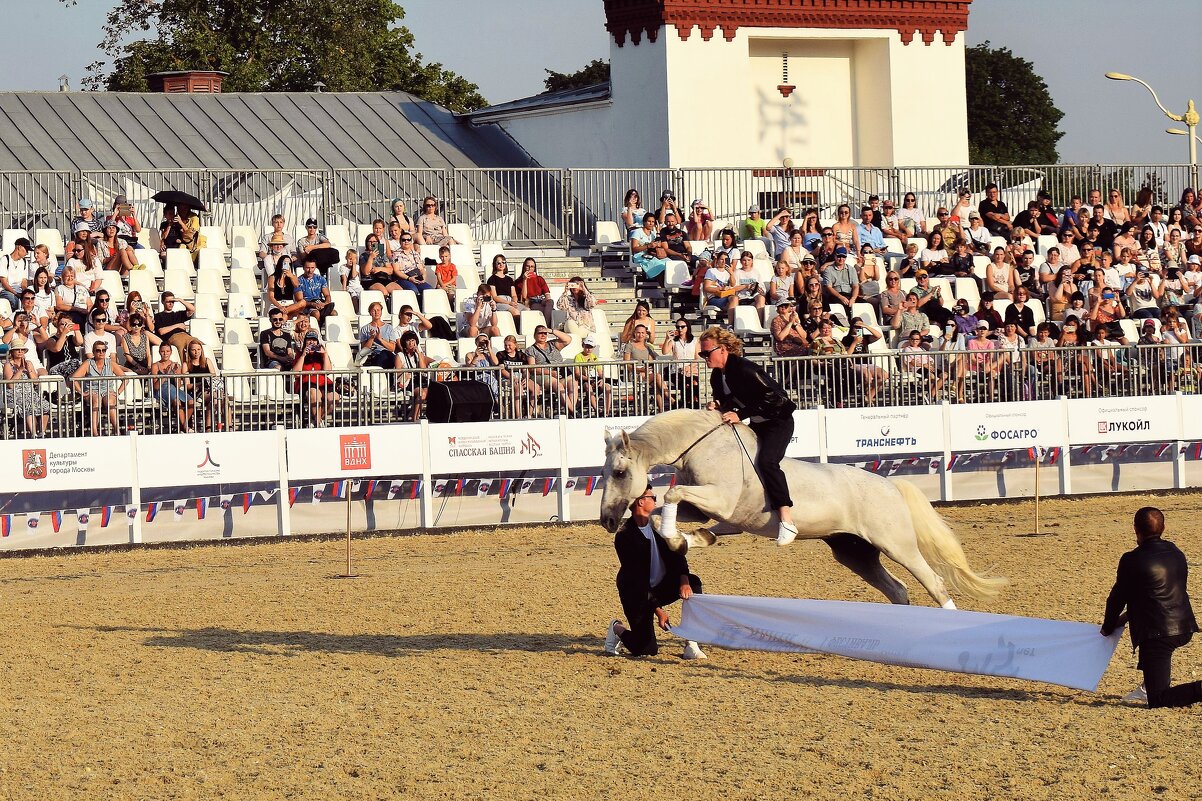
[[702, 537]]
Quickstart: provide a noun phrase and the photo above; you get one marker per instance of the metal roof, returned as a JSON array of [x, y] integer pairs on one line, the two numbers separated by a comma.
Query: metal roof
[[595, 93], [76, 131]]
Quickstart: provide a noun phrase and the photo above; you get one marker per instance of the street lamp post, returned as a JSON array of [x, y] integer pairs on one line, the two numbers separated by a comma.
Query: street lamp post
[[1190, 118]]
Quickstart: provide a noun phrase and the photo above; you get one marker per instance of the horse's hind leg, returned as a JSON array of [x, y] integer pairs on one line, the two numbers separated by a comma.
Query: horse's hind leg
[[862, 558]]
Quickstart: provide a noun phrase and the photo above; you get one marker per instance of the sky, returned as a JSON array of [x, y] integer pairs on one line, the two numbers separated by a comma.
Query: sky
[[504, 47]]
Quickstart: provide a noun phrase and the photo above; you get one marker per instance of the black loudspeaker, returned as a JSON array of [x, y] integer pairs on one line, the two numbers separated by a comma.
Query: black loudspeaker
[[458, 402]]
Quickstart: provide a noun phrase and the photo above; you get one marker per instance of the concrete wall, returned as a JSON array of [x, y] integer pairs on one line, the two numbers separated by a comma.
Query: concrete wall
[[862, 99]]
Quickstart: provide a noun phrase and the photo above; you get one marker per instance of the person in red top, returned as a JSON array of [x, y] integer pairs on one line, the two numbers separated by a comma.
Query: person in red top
[[447, 273], [533, 290]]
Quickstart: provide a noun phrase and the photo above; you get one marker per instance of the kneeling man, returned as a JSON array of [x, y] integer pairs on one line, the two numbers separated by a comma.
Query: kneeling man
[[650, 577]]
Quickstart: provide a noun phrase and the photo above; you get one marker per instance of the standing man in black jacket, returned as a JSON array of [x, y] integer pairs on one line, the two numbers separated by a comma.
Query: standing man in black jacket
[[742, 390], [1151, 586], [650, 577]]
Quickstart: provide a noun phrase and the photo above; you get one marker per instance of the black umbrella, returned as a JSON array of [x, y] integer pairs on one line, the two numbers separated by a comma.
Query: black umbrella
[[174, 197]]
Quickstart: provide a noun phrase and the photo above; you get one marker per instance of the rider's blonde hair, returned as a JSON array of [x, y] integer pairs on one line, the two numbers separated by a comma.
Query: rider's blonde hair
[[724, 338]]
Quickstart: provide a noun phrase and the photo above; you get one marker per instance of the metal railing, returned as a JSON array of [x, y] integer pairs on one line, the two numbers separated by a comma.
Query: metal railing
[[263, 399], [555, 207]]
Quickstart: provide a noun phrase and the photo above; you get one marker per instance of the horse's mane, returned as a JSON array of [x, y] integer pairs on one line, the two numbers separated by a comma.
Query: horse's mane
[[666, 435]]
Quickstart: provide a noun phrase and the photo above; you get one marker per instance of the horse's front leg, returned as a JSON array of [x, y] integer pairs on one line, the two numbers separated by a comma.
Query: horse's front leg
[[716, 500]]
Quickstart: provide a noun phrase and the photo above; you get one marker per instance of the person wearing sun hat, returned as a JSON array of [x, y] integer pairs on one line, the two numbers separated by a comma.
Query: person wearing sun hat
[[24, 394]]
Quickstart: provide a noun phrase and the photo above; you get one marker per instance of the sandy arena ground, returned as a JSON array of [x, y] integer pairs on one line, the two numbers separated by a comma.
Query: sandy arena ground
[[469, 666]]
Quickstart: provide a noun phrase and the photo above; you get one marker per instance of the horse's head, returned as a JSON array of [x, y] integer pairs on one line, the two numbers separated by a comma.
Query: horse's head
[[625, 479]]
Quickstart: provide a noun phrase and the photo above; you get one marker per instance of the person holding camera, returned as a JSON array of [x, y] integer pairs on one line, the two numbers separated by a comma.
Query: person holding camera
[[480, 313], [577, 303], [789, 337], [481, 358], [318, 388], [667, 203], [532, 289], [1144, 294], [700, 223]]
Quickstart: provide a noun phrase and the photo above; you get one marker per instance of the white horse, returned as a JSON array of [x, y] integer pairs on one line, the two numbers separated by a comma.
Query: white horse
[[860, 515]]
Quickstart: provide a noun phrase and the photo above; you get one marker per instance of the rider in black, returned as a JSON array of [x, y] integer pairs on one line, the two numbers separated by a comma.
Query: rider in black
[[742, 390]]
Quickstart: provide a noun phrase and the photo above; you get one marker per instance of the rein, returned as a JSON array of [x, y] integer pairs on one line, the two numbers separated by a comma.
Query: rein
[[696, 442]]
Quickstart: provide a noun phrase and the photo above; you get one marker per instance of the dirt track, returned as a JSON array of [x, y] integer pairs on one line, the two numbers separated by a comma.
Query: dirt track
[[468, 666]]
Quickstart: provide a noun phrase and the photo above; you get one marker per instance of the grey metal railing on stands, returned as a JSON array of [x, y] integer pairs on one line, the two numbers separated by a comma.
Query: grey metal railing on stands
[[264, 399], [559, 207]]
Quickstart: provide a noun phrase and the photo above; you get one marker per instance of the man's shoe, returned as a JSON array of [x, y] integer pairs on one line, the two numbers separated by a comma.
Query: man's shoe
[[612, 641], [1137, 696], [693, 651], [786, 533]]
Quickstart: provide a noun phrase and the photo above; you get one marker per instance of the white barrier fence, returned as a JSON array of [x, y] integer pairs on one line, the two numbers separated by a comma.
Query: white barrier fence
[[108, 490]]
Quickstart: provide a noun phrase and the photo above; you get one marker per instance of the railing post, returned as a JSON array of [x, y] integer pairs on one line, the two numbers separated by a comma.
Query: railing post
[[282, 510], [568, 208], [135, 492], [946, 492], [565, 511], [1066, 479], [427, 491], [822, 452]]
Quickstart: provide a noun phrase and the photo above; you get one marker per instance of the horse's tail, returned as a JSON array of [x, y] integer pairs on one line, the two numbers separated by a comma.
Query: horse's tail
[[941, 548]]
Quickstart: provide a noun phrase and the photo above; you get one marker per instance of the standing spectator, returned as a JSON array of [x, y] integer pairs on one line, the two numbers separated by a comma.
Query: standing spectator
[[595, 386], [915, 359], [1151, 586], [318, 389], [276, 348], [545, 356], [313, 292], [23, 396], [431, 229], [577, 303], [171, 324]]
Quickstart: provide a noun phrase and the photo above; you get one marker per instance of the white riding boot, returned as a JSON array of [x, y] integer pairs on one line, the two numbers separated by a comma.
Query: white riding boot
[[786, 533]]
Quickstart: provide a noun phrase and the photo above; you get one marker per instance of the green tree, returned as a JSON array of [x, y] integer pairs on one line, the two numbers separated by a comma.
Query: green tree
[[1011, 116], [269, 46], [596, 71]]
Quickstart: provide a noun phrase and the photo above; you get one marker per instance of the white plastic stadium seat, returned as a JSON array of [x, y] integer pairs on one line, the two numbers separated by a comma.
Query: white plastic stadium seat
[[243, 259], [180, 259], [142, 281], [865, 311], [343, 305], [529, 321], [607, 236], [237, 332], [214, 238], [110, 280], [11, 235], [244, 237], [241, 305], [243, 280], [206, 331], [436, 303], [52, 238], [179, 282], [676, 274], [403, 297], [338, 329], [966, 289], [213, 259], [208, 307], [462, 233], [747, 321], [211, 282], [150, 258], [340, 355]]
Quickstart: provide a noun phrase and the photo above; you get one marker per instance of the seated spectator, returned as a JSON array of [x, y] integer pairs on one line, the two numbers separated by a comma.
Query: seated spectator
[[999, 276], [747, 280], [137, 345], [792, 254], [479, 314], [841, 284], [667, 202], [396, 214], [911, 262], [700, 227], [911, 318], [447, 274], [910, 216], [632, 211], [891, 299], [869, 268], [1106, 230], [930, 299], [430, 228], [1127, 238], [780, 231], [171, 324], [42, 261], [986, 313], [958, 214], [1106, 315], [283, 288], [892, 223], [346, 277], [181, 229], [950, 229], [319, 388], [1147, 252], [522, 394], [128, 226], [410, 319], [378, 339], [977, 235], [313, 243], [416, 366], [755, 227], [1173, 253], [23, 396], [934, 254], [113, 251], [1144, 295], [64, 353], [169, 388], [870, 235], [597, 389], [532, 290], [916, 359], [276, 347], [408, 269], [994, 213], [719, 289], [1027, 221], [675, 239], [375, 267], [545, 356], [81, 256], [846, 233], [640, 316], [781, 286], [1027, 276], [726, 244], [14, 272], [647, 252], [961, 265], [203, 384], [789, 337], [963, 318], [98, 331], [312, 296], [101, 387], [275, 242], [681, 347], [86, 215], [501, 286], [827, 252], [72, 299], [577, 303], [641, 349], [479, 360]]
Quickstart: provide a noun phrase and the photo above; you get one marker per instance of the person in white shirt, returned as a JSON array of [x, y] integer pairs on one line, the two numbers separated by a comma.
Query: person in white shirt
[[14, 272]]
